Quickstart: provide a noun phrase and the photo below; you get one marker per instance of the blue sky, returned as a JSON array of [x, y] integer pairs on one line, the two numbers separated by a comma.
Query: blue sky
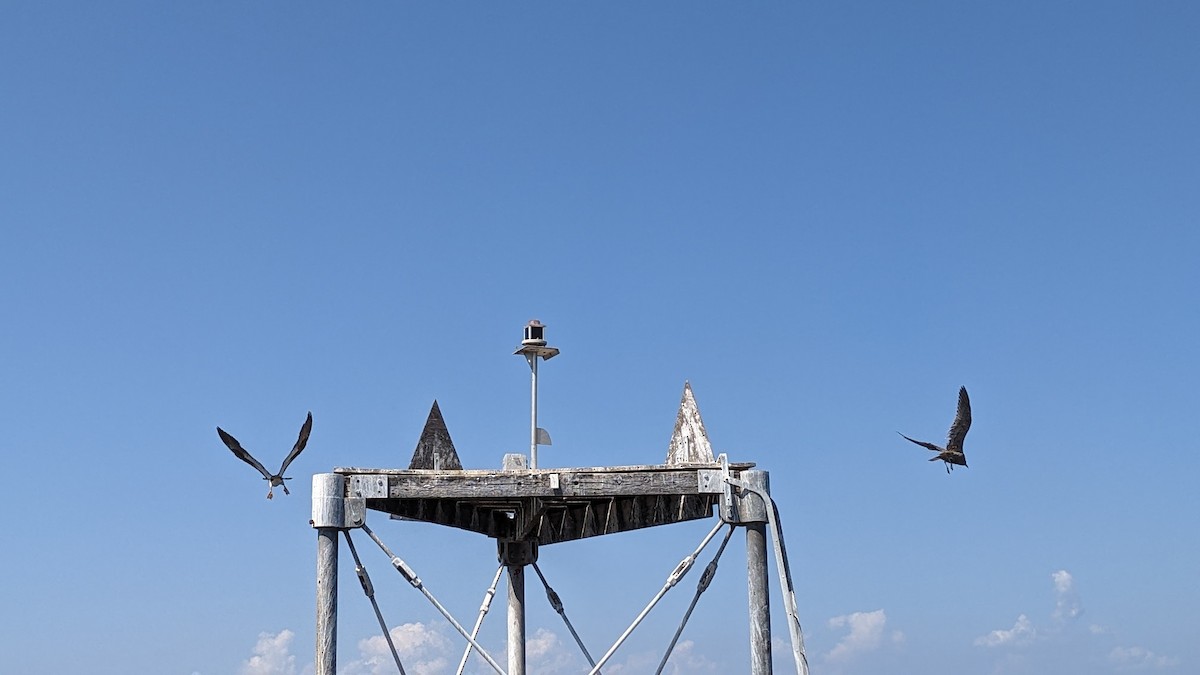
[[826, 217]]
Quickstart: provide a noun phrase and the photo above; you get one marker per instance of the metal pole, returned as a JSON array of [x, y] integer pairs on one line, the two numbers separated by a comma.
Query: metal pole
[[533, 365], [516, 619], [327, 570], [758, 583], [328, 517], [752, 506], [781, 563], [515, 555]]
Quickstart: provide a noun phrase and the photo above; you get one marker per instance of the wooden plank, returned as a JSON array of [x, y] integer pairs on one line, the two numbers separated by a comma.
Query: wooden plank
[[735, 466], [512, 485], [525, 505]]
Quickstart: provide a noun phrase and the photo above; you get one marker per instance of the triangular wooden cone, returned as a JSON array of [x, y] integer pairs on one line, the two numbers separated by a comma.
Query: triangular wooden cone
[[689, 443], [435, 450]]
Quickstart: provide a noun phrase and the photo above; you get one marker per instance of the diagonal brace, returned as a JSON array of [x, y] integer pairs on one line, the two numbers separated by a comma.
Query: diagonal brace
[[706, 578], [680, 570], [411, 577], [369, 590], [556, 603]]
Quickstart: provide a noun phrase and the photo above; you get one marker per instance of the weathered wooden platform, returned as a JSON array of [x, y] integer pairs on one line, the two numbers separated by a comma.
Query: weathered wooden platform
[[546, 506]]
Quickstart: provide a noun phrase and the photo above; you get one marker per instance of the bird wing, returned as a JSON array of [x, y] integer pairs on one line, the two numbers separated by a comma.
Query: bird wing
[[929, 446], [962, 423], [240, 452], [300, 443]]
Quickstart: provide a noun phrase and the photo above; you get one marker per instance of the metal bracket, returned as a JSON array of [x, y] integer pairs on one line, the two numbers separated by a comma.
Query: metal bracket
[[359, 489], [356, 511], [328, 502], [710, 481], [517, 552], [368, 486], [728, 508]]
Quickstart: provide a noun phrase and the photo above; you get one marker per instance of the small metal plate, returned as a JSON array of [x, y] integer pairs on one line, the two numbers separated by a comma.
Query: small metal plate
[[368, 486], [356, 511], [710, 481]]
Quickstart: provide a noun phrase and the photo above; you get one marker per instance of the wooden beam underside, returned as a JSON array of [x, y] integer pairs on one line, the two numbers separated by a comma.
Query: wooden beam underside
[[531, 506]]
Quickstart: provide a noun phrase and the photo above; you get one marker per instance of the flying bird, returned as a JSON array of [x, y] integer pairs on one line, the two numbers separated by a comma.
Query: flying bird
[[953, 452], [274, 480]]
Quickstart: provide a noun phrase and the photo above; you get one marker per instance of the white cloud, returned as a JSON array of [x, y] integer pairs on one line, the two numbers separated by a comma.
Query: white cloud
[[1139, 658], [1021, 633], [434, 649], [430, 649], [685, 660], [1066, 602], [272, 655], [545, 654], [424, 650], [542, 644], [1062, 635], [1066, 607], [866, 634], [641, 662]]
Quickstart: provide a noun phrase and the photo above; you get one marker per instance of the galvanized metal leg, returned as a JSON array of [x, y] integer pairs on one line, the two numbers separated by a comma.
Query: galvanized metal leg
[[751, 510], [758, 583], [515, 555], [328, 509], [327, 591], [516, 619], [532, 359]]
